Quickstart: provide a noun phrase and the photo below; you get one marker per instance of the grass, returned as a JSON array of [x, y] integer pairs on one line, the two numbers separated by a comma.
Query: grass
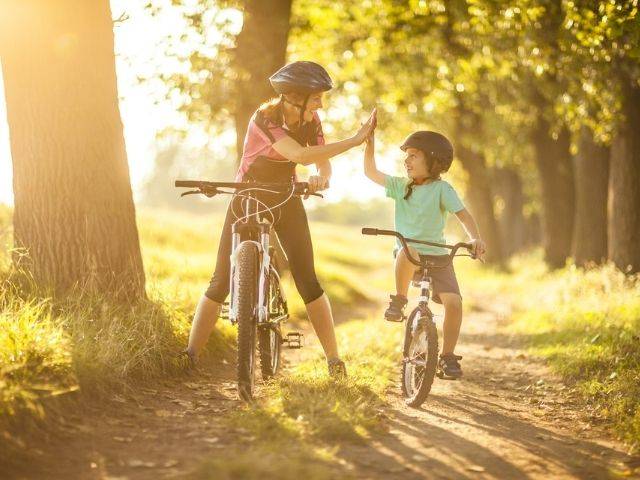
[[49, 346], [586, 323], [304, 417]]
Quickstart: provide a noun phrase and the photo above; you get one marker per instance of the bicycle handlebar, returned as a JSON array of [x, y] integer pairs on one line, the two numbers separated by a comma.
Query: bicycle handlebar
[[211, 188], [404, 241]]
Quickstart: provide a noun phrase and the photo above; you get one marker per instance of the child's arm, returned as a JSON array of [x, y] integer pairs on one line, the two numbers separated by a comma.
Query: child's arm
[[471, 227], [370, 168]]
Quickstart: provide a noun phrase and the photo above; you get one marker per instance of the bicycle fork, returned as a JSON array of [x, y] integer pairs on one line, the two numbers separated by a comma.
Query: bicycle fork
[[265, 261]]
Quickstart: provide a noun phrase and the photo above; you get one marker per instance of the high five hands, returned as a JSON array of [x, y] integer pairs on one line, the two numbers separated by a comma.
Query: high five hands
[[367, 128]]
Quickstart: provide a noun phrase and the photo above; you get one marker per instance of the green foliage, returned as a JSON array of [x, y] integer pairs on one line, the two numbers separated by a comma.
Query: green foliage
[[35, 359]]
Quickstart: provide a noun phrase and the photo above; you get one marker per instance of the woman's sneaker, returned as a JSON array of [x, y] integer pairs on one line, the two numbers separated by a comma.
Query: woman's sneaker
[[188, 359], [449, 366], [395, 311], [337, 368]]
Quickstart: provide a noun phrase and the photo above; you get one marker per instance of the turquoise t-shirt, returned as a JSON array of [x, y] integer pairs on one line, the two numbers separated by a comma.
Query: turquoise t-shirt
[[423, 215]]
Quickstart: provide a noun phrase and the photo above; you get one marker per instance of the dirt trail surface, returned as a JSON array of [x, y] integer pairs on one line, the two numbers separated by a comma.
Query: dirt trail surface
[[508, 419]]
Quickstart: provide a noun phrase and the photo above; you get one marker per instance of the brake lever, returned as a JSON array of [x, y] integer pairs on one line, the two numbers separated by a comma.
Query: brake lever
[[190, 192]]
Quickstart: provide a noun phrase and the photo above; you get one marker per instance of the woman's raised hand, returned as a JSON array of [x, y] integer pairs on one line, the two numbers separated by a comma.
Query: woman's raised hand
[[367, 128]]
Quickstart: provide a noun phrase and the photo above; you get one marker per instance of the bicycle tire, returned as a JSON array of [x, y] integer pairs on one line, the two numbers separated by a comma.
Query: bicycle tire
[[246, 292], [417, 397], [270, 338]]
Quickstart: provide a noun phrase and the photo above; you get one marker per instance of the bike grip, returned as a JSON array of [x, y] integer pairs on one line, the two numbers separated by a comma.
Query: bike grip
[[369, 231], [186, 183]]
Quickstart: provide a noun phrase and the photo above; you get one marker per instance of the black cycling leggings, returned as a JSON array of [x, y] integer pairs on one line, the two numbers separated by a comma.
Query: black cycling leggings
[[292, 227]]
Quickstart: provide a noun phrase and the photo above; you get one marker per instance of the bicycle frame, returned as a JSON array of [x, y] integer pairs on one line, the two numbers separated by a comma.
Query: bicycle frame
[[257, 231], [425, 281]]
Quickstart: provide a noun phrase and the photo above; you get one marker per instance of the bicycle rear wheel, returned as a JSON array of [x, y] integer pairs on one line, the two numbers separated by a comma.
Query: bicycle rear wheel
[[269, 336], [246, 293], [420, 358]]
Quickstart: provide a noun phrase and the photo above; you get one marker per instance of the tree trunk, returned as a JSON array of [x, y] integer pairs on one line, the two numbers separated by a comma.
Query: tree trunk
[[479, 187], [511, 219], [553, 160], [591, 166], [261, 49], [624, 185], [74, 217]]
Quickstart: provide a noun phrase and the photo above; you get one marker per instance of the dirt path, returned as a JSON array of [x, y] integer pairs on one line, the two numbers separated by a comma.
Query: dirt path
[[508, 419]]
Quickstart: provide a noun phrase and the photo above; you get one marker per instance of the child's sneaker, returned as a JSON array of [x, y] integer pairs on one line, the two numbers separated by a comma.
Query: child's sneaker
[[395, 311], [449, 366]]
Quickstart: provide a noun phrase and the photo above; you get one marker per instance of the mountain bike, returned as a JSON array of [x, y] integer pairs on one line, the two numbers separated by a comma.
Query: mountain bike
[[257, 302], [420, 346]]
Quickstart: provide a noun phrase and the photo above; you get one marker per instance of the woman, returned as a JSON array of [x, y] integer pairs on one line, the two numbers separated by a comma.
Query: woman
[[283, 133]]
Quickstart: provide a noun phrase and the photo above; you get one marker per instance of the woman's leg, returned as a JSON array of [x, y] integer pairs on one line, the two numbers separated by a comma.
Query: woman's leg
[[452, 321], [321, 318], [293, 232], [207, 312], [208, 308]]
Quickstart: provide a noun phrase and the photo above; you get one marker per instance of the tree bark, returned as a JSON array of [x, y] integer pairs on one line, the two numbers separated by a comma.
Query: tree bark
[[479, 187], [261, 49], [591, 166], [553, 160], [624, 185], [511, 220], [74, 218]]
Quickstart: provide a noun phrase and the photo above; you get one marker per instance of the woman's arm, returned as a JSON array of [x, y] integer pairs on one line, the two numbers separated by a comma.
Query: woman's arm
[[320, 181], [293, 151], [471, 227], [370, 168]]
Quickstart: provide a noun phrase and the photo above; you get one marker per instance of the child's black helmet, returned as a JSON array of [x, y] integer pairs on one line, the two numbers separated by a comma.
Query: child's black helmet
[[301, 77], [434, 145]]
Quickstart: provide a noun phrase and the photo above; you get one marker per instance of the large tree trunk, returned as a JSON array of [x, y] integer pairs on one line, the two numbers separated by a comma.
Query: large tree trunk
[[511, 219], [624, 185], [74, 216], [261, 49], [479, 187], [592, 177], [555, 168]]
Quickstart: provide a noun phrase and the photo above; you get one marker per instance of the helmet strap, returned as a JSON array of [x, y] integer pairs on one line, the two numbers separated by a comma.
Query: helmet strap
[[302, 107]]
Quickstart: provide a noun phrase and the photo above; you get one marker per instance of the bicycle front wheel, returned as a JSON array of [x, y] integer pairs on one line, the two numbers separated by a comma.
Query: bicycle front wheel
[[246, 293], [420, 358]]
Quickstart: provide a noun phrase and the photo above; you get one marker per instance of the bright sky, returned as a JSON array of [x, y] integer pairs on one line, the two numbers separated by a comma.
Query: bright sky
[[138, 54]]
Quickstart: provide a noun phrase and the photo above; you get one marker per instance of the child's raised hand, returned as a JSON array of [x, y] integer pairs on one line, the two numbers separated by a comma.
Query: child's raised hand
[[366, 128]]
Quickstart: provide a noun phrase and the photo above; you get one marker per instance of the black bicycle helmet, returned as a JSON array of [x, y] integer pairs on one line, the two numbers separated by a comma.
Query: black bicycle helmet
[[434, 145], [301, 77]]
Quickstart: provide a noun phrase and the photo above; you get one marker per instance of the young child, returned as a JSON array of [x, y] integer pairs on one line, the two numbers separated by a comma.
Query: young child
[[422, 202]]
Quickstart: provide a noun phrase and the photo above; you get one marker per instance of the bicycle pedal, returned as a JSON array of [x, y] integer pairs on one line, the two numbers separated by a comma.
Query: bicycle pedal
[[293, 340]]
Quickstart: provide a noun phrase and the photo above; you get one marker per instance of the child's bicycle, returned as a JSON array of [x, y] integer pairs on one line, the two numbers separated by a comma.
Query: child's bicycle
[[420, 350], [257, 302]]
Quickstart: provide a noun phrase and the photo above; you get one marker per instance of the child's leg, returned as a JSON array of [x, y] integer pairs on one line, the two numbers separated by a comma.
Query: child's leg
[[404, 271], [452, 320]]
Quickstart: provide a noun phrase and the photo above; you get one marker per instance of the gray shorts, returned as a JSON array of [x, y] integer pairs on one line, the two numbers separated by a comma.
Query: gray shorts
[[443, 279]]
